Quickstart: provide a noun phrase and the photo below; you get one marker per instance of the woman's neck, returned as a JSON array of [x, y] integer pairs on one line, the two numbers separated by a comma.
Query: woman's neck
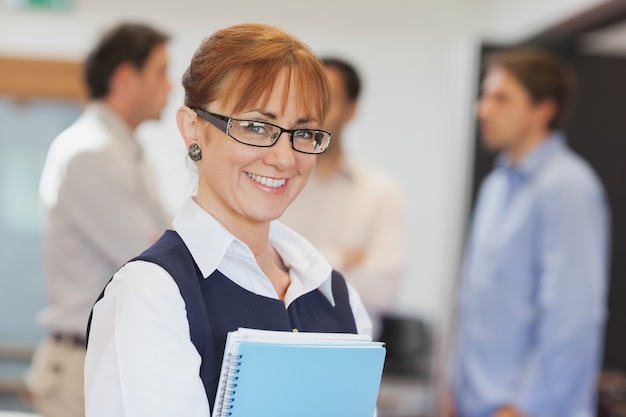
[[256, 236]]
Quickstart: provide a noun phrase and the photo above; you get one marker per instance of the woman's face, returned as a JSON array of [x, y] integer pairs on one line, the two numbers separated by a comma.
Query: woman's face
[[238, 182]]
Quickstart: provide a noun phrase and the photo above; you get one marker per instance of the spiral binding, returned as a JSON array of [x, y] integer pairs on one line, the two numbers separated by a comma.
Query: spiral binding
[[227, 389]]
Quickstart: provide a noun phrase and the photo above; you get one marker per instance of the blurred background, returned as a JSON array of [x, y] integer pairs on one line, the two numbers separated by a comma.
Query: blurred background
[[419, 60]]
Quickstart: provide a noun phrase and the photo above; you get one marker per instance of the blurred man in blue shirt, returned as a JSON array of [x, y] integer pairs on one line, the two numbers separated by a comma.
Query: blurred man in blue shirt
[[534, 278]]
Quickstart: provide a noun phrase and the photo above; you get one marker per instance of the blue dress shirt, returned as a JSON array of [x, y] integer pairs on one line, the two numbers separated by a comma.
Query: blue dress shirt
[[533, 290]]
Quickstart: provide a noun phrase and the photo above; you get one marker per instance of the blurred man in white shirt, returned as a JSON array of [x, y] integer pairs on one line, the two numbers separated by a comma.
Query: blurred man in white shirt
[[101, 204], [359, 210]]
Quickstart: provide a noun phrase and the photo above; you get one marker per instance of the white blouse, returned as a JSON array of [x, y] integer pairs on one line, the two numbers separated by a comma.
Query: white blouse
[[141, 361]]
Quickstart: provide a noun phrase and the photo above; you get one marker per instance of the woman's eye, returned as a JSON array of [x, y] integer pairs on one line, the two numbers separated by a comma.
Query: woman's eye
[[251, 127], [258, 128], [303, 134]]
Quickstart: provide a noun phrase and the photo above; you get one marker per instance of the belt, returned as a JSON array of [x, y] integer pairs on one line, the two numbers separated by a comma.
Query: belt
[[70, 339]]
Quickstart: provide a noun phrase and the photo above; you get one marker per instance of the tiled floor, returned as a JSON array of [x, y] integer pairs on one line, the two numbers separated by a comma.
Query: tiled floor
[[11, 376], [10, 402], [404, 397]]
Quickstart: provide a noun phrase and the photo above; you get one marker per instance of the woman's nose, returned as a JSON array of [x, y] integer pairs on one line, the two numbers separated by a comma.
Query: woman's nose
[[281, 154]]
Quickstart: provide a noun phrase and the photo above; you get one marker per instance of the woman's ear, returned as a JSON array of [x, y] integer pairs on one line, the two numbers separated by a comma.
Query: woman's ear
[[187, 121]]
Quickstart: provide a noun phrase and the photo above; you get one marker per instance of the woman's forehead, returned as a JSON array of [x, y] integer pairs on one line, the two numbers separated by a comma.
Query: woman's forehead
[[275, 98]]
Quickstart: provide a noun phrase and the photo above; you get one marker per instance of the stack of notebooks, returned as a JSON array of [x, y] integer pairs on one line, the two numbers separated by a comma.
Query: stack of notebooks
[[283, 374]]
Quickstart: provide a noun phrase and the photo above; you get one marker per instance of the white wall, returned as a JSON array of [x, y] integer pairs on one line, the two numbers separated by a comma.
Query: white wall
[[416, 58], [514, 20]]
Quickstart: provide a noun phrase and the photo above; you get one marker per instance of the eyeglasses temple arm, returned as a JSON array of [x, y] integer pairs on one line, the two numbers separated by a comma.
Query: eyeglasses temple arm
[[220, 123]]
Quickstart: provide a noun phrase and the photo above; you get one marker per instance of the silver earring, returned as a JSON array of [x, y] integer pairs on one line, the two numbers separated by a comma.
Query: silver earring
[[195, 154]]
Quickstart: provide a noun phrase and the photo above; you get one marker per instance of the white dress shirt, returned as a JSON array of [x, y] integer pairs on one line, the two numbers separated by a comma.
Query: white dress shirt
[[101, 208], [141, 360], [358, 208]]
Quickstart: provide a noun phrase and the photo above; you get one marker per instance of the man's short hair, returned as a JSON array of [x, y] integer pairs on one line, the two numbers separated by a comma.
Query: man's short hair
[[350, 75], [543, 74], [125, 43]]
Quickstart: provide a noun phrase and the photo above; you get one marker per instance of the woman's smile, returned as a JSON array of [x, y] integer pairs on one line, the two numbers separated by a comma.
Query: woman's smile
[[267, 181]]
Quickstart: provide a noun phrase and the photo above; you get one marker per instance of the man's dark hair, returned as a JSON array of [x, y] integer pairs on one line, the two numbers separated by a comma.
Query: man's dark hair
[[350, 76], [125, 43], [543, 74]]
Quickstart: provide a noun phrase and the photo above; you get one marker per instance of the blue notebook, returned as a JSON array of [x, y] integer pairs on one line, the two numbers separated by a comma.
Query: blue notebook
[[282, 374]]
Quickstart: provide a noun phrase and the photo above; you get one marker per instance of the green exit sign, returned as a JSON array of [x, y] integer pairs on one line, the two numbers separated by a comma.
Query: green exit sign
[[42, 4]]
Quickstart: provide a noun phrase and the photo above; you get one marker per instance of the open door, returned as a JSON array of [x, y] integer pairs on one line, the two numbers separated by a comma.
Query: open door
[[597, 130]]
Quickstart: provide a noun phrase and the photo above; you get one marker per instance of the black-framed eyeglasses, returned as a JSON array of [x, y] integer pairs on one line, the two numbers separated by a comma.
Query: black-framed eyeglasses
[[264, 135]]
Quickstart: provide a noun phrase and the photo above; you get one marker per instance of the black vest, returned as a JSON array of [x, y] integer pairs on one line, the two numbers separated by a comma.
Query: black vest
[[216, 305]]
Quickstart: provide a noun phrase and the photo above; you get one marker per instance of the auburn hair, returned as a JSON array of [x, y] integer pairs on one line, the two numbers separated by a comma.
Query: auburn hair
[[239, 66]]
